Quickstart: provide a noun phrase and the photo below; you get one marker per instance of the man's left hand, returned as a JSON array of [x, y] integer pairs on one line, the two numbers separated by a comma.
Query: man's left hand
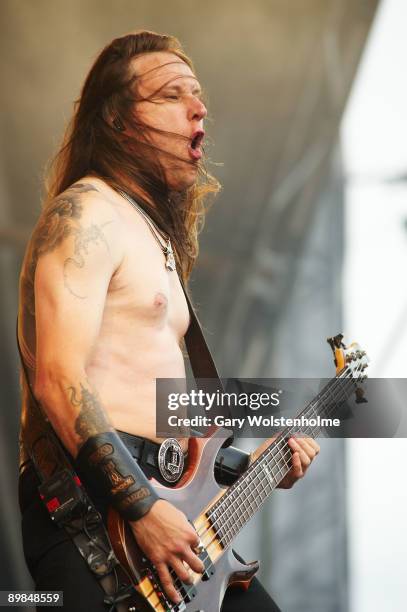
[[304, 451]]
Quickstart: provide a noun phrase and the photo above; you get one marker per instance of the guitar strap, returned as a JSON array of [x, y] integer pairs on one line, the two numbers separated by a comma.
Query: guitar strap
[[200, 357], [95, 548]]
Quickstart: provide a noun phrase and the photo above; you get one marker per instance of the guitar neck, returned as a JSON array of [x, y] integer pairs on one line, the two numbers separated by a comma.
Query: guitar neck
[[244, 498]]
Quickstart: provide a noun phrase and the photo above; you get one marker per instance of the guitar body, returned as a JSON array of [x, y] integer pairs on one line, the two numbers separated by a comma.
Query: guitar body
[[195, 492], [218, 514]]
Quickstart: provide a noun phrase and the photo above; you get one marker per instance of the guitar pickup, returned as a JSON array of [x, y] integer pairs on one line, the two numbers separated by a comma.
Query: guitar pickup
[[209, 568], [178, 607], [187, 592]]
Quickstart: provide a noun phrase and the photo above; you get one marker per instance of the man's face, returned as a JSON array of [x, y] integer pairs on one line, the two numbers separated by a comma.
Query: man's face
[[174, 106]]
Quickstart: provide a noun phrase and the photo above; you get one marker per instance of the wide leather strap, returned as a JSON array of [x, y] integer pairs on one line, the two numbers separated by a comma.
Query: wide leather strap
[[105, 464], [200, 357]]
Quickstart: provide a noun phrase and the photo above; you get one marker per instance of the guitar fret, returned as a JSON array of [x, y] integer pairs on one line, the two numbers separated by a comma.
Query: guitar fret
[[235, 508], [279, 472], [244, 516], [229, 514], [266, 487]]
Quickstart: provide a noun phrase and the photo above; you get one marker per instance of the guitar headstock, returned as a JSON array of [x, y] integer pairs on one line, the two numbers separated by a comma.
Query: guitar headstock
[[350, 358]]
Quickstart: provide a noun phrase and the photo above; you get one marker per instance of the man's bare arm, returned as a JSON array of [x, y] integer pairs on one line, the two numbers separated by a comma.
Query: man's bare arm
[[75, 254]]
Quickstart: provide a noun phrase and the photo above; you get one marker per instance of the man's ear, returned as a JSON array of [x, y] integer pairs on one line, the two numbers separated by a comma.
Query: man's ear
[[118, 124]]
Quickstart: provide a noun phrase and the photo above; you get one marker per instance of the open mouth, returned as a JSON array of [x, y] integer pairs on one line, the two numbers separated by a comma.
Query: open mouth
[[195, 145]]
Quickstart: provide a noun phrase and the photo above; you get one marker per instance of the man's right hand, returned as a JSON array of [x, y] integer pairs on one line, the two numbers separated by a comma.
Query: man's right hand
[[167, 540]]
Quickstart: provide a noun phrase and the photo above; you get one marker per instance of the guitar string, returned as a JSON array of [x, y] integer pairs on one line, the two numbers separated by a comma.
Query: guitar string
[[271, 450], [269, 453], [272, 453], [261, 491], [242, 494]]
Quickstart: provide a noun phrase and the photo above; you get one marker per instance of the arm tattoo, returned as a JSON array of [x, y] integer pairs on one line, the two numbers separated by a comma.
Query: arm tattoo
[[58, 221], [92, 418], [83, 237], [59, 218]]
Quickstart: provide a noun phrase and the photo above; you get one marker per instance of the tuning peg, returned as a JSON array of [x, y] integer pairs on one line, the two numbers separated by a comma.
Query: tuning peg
[[331, 344], [336, 342], [360, 395]]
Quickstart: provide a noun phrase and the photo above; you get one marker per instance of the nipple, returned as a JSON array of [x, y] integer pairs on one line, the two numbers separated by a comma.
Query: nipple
[[160, 300]]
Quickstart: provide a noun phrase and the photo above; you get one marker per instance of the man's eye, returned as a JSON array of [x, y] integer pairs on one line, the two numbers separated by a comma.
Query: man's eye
[[172, 97]]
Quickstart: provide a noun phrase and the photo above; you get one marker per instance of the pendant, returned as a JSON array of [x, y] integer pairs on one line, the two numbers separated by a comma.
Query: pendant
[[169, 257]]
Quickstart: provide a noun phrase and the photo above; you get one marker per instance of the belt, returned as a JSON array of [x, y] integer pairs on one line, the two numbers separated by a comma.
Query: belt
[[165, 461], [144, 451], [166, 466]]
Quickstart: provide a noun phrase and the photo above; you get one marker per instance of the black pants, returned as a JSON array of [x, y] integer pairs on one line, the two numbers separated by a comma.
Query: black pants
[[56, 565]]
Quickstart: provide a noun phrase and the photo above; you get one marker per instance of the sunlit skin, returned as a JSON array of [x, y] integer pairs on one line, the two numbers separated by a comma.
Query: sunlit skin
[[170, 101], [111, 302], [175, 107]]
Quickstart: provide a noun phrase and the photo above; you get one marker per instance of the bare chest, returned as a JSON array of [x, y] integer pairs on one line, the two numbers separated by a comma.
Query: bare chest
[[144, 291]]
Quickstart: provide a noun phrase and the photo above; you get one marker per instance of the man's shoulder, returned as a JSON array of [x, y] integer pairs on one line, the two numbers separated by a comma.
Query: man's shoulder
[[80, 214], [86, 198]]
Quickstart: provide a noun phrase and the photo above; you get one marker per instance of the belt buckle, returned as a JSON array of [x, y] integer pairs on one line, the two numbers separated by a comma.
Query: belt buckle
[[170, 460]]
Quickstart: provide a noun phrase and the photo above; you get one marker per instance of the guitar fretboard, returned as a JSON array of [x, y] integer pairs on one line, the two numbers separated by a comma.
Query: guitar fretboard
[[244, 498]]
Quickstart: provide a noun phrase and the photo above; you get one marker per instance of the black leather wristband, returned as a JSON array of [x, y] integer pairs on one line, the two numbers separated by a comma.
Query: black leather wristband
[[106, 465]]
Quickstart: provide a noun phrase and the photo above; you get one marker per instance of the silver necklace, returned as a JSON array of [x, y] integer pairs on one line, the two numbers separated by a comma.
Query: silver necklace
[[156, 232]]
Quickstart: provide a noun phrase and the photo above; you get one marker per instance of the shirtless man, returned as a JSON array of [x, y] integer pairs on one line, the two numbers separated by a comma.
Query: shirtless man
[[101, 315]]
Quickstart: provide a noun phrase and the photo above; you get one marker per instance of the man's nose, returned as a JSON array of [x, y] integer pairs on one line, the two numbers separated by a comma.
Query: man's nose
[[197, 109]]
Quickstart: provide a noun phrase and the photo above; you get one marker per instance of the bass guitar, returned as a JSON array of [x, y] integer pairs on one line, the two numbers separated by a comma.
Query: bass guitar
[[219, 514]]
